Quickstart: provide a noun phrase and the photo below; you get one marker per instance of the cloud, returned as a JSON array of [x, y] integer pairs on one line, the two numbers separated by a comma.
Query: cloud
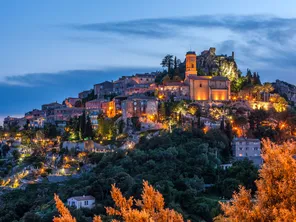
[[166, 27]]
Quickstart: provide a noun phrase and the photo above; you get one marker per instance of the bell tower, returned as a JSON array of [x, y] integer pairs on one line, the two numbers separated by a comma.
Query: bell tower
[[190, 64]]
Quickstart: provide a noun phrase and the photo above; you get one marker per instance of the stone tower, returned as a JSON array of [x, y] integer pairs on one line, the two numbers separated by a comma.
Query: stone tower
[[190, 64]]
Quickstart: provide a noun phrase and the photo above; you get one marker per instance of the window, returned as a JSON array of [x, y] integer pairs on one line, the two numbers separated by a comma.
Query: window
[[86, 202], [256, 148], [200, 85], [247, 148], [192, 65], [240, 148]]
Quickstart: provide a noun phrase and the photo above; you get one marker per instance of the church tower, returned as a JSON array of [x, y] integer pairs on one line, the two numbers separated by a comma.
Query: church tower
[[190, 64]]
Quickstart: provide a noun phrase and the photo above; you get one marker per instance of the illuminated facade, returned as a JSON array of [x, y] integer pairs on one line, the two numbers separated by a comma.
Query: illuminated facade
[[175, 90], [139, 106], [209, 88], [190, 64]]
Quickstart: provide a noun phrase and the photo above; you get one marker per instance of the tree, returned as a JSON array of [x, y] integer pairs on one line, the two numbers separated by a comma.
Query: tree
[[65, 215], [16, 154], [275, 197], [150, 208], [88, 129], [82, 125], [249, 76], [167, 61]]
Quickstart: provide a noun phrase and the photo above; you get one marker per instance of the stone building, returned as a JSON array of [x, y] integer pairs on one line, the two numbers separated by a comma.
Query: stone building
[[64, 114], [139, 106], [72, 102], [209, 88], [247, 148], [144, 78], [84, 94], [190, 64], [95, 104], [205, 88], [173, 90], [103, 89]]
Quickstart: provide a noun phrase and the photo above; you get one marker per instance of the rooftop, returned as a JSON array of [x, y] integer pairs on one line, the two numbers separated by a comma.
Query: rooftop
[[190, 53], [243, 139], [82, 198]]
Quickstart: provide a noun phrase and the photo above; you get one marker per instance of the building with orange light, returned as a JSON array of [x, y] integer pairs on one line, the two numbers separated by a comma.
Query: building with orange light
[[190, 64], [175, 90], [108, 108], [146, 78], [72, 102], [205, 88], [139, 106], [209, 88]]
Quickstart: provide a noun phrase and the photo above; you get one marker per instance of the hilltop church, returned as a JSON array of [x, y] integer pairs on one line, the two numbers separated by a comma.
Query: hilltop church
[[205, 88]]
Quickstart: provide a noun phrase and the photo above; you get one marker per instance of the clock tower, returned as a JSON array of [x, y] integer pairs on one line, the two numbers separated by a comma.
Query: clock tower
[[190, 64]]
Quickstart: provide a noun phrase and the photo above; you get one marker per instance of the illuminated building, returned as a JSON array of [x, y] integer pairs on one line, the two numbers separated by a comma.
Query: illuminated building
[[144, 78], [190, 64], [72, 102], [177, 90], [209, 88], [95, 104], [139, 106], [64, 114]]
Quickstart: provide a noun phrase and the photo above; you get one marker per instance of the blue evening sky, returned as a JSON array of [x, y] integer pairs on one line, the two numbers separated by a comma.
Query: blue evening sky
[[54, 49]]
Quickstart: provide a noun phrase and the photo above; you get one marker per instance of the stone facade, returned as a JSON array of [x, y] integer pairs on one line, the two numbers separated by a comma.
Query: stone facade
[[64, 114], [139, 106], [102, 89], [175, 90], [247, 148], [209, 88]]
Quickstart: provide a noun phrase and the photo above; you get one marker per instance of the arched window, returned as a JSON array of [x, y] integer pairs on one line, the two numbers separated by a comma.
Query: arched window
[[200, 85], [192, 65]]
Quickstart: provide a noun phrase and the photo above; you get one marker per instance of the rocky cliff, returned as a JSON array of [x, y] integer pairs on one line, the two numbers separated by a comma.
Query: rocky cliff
[[288, 91], [208, 63]]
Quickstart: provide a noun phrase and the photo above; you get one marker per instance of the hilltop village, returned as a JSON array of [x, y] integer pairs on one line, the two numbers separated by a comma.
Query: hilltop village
[[150, 120]]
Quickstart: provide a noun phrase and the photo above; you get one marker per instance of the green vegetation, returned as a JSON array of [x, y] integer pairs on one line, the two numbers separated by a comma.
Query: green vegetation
[[183, 166]]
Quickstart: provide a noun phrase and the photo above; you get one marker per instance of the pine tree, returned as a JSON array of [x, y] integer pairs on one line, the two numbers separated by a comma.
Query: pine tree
[[82, 125], [88, 128], [222, 124]]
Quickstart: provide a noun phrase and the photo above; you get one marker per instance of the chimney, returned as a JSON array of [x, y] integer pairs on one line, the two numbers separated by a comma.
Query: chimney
[[232, 55]]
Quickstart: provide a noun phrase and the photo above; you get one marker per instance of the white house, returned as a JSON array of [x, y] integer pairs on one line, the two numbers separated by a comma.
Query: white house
[[82, 202]]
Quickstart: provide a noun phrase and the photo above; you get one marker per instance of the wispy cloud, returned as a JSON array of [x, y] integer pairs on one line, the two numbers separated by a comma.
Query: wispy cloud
[[259, 41]]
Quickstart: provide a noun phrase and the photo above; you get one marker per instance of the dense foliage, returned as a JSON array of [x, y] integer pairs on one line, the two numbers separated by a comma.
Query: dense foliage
[[183, 166]]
